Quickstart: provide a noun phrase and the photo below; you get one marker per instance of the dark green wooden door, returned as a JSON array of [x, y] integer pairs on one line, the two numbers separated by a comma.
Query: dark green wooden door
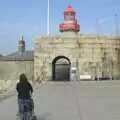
[[62, 72]]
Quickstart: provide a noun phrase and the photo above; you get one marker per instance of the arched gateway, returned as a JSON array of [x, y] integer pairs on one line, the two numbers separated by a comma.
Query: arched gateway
[[61, 69]]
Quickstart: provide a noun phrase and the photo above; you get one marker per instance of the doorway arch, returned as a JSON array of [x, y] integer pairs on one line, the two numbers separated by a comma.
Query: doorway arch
[[61, 69]]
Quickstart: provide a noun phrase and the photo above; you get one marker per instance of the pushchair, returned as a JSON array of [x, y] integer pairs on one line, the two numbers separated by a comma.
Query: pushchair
[[26, 111]]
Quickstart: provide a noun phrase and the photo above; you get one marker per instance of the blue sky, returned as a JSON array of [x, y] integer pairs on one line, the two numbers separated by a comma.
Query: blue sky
[[28, 17]]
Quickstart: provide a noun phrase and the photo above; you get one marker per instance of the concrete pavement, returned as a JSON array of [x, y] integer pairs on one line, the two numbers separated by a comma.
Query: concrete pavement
[[89, 100]]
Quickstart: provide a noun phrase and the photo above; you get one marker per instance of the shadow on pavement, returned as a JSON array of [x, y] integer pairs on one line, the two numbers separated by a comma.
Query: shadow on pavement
[[44, 117]]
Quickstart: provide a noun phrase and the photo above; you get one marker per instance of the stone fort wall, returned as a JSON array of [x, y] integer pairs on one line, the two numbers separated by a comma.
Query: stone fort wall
[[10, 71], [93, 55]]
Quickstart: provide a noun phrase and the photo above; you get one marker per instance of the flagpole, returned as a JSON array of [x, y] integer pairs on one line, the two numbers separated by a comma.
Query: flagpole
[[116, 25], [48, 18]]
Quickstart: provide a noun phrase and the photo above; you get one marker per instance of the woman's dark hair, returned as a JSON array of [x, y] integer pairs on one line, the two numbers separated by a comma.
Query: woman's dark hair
[[23, 78]]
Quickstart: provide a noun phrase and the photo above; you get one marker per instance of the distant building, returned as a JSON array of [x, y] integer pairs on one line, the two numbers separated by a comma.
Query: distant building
[[15, 63]]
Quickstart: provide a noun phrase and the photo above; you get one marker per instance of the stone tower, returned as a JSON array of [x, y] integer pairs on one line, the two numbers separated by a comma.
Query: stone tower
[[21, 45]]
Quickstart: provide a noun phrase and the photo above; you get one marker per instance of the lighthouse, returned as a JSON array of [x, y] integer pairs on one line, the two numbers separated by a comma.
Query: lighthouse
[[70, 23]]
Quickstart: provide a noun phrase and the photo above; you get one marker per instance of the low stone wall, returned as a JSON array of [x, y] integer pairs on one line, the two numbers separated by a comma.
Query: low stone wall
[[7, 86], [10, 70]]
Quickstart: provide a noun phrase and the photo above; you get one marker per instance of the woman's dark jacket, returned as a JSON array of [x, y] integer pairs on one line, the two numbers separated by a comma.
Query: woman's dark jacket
[[24, 90]]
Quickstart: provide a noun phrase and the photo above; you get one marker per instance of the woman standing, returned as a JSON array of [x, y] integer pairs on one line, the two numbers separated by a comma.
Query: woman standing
[[25, 102]]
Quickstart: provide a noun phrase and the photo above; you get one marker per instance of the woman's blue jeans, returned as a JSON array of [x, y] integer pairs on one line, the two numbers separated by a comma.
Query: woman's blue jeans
[[26, 108]]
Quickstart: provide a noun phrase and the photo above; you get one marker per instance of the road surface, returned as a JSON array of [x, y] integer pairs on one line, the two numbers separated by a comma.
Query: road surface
[[89, 100]]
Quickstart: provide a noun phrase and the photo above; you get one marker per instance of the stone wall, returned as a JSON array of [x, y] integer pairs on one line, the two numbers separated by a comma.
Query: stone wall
[[47, 49], [93, 55], [10, 71], [99, 56]]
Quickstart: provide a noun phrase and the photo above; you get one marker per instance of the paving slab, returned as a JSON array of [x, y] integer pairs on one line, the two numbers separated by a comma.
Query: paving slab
[[96, 100]]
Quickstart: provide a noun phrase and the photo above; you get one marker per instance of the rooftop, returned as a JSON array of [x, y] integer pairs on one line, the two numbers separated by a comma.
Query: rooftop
[[25, 56], [69, 9]]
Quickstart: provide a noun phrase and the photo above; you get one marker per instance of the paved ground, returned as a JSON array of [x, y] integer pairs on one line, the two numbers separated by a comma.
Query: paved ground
[[71, 101]]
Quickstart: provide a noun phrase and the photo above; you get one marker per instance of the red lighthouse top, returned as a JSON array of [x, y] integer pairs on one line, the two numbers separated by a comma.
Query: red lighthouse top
[[70, 22], [69, 9]]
